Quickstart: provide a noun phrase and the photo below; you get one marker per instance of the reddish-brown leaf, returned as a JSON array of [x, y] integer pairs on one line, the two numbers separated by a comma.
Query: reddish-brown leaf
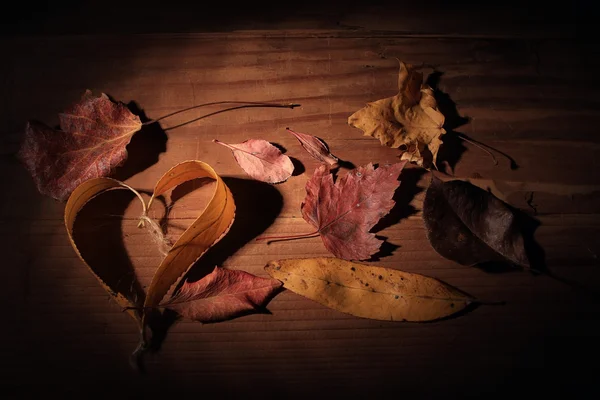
[[90, 144], [315, 147], [261, 160], [344, 212], [222, 295]]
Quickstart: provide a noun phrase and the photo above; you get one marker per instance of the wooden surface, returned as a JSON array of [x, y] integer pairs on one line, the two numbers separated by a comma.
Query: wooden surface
[[534, 99]]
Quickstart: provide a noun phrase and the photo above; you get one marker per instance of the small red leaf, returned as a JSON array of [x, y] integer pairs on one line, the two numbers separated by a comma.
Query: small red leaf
[[222, 295], [315, 147], [261, 160], [90, 144], [344, 212]]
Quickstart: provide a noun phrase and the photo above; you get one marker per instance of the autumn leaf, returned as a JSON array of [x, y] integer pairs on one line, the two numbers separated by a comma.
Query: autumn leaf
[[90, 144], [222, 295], [468, 225], [205, 232], [315, 147], [78, 199], [411, 119], [368, 291], [343, 212], [212, 224], [261, 160]]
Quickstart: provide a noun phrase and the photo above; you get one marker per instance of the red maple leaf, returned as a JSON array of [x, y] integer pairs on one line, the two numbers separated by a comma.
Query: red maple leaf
[[343, 212], [222, 295], [90, 143]]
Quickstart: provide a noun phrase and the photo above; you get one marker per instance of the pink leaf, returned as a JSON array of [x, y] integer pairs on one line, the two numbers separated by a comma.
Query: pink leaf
[[261, 160], [315, 147], [222, 295]]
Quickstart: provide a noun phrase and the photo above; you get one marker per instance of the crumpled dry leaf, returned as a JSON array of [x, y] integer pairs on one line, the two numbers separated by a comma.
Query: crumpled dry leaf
[[410, 119], [315, 147], [90, 144], [469, 225], [205, 231], [261, 160], [344, 212], [222, 295], [368, 291]]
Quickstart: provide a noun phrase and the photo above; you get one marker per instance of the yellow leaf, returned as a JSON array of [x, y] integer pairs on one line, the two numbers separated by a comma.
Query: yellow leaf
[[368, 291], [207, 229], [410, 119], [212, 224], [78, 199]]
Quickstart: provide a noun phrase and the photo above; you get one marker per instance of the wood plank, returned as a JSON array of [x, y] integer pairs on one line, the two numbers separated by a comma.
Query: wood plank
[[523, 97]]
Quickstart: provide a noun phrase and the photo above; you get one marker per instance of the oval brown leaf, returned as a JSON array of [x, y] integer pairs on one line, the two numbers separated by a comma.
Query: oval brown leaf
[[261, 160], [90, 144], [222, 295], [368, 291], [468, 225], [78, 199]]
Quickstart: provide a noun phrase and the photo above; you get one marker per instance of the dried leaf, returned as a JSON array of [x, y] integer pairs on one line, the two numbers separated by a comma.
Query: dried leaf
[[207, 229], [315, 147], [90, 144], [261, 160], [78, 199], [344, 212], [410, 119], [222, 295], [468, 225], [368, 291]]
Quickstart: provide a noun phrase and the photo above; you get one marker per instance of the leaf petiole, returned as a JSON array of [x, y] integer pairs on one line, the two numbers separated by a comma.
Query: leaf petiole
[[288, 237]]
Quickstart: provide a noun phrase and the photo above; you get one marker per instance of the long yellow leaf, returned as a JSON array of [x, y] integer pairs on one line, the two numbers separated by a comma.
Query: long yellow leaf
[[368, 291], [78, 199]]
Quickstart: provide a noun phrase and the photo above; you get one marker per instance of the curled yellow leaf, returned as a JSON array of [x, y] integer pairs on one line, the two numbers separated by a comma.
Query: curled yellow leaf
[[78, 199], [205, 231]]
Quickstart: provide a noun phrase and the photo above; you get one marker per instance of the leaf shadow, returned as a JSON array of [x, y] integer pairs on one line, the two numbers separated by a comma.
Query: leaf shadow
[[453, 147], [299, 168], [102, 217], [402, 197], [257, 206], [145, 146]]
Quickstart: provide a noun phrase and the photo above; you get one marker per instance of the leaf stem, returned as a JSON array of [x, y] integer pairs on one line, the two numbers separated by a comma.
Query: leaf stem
[[480, 145], [287, 237], [245, 104]]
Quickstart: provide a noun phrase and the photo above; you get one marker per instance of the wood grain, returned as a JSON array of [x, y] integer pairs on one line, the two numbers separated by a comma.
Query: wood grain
[[533, 100]]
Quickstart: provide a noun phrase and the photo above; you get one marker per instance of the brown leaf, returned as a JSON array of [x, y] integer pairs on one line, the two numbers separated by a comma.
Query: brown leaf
[[261, 160], [222, 295], [344, 212], [368, 291], [470, 226], [315, 147], [90, 144], [410, 119]]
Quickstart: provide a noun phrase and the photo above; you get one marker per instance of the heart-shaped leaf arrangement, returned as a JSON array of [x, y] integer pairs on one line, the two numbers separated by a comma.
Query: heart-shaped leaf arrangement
[[250, 292]]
